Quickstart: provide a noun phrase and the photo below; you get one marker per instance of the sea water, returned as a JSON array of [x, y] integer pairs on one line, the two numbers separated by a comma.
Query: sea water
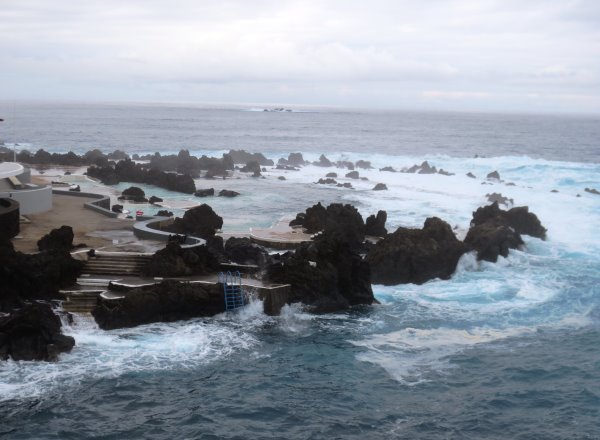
[[504, 350]]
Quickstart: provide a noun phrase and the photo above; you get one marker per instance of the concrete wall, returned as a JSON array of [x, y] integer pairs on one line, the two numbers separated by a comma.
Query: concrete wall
[[9, 218], [144, 231], [101, 205], [32, 200]]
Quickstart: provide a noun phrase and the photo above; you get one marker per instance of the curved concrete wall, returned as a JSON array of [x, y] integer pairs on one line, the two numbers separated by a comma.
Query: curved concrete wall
[[9, 218], [32, 200], [101, 205], [143, 230]]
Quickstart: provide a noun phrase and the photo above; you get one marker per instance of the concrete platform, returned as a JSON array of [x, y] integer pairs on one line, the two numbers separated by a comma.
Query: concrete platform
[[280, 235]]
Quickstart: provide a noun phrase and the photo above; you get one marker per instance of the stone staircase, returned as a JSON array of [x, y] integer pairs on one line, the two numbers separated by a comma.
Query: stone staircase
[[116, 265], [80, 301]]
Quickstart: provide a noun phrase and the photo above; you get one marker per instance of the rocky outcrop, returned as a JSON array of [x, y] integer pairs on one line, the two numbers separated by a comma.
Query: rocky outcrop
[[389, 169], [335, 217], [592, 191], [416, 255], [32, 333], [490, 240], [352, 175], [175, 261], [165, 302], [294, 159], [117, 208], [380, 187], [111, 173], [471, 175], [327, 275], [242, 156], [364, 164], [323, 162], [199, 221], [328, 181], [206, 192], [375, 225], [57, 239], [244, 251], [134, 194], [154, 199], [228, 193], [518, 218], [251, 167], [332, 175], [164, 213], [494, 175]]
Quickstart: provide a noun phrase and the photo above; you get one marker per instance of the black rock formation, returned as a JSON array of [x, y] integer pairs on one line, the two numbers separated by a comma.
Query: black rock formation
[[228, 193], [416, 255], [518, 218], [327, 275], [57, 239], [199, 221], [375, 225], [205, 192], [32, 333], [165, 302]]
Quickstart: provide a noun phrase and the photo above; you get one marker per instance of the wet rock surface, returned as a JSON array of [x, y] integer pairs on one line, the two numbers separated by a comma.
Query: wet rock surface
[[416, 255], [165, 302]]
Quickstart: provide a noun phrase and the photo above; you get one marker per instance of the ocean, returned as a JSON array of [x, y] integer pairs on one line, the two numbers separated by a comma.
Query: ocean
[[509, 350]]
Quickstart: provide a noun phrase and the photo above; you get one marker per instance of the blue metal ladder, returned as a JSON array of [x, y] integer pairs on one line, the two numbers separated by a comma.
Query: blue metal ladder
[[232, 286]]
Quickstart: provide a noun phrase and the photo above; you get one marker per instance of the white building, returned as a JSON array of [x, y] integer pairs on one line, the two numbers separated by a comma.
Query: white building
[[15, 183]]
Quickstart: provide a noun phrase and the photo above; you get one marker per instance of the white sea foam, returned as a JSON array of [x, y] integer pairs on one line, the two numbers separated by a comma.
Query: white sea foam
[[410, 355]]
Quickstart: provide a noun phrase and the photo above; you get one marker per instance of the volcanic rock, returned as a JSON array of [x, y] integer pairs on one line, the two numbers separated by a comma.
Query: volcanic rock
[[165, 302], [154, 199], [352, 175], [380, 187], [205, 192], [244, 251], [416, 255], [200, 221], [32, 333], [518, 218], [57, 239], [228, 193], [490, 240], [375, 225]]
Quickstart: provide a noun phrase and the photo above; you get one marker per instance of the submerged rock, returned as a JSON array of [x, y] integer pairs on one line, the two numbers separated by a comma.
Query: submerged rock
[[592, 191], [416, 255], [165, 302], [228, 193], [497, 197], [328, 181], [205, 192], [32, 333]]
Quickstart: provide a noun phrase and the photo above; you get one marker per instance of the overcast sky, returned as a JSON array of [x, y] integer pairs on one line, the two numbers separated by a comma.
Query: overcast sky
[[505, 55]]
